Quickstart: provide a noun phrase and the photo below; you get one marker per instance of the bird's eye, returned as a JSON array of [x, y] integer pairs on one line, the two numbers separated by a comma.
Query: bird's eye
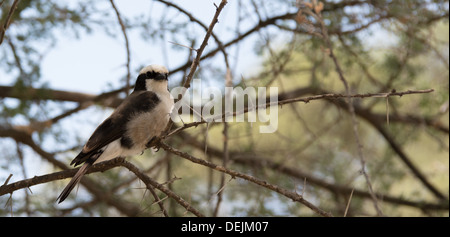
[[150, 74]]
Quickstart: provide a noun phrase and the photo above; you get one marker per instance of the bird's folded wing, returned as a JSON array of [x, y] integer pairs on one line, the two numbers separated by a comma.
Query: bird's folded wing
[[110, 130]]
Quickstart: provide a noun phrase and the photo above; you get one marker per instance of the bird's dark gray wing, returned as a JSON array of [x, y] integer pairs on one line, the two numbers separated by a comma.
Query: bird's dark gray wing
[[114, 127], [108, 131]]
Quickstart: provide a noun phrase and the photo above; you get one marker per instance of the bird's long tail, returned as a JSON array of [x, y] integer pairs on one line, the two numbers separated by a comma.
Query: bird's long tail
[[73, 182]]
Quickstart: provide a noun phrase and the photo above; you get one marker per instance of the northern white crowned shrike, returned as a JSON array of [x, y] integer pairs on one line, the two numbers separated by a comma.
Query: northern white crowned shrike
[[142, 116]]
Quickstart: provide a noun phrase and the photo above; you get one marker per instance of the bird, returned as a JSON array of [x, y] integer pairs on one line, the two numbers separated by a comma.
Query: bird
[[140, 118]]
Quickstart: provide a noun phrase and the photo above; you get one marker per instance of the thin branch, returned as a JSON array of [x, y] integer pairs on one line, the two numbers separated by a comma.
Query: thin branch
[[197, 59], [226, 153], [181, 45], [7, 179], [8, 20], [304, 100], [340, 72], [348, 203], [158, 200], [100, 167], [110, 99], [373, 119], [10, 188], [150, 182], [259, 161], [407, 161], [194, 19], [127, 46], [289, 194], [199, 51], [92, 186]]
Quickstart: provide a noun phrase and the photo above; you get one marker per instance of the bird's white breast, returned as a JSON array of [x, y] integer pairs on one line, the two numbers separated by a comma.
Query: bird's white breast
[[141, 128], [149, 124]]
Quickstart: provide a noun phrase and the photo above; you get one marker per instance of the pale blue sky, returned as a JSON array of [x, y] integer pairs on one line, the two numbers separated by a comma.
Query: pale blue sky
[[96, 60]]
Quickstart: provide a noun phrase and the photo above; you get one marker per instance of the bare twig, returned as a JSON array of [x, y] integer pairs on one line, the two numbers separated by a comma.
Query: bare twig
[[158, 200], [263, 162], [197, 59], [127, 46], [226, 153], [348, 203], [103, 166], [150, 182], [304, 100], [317, 15], [188, 47], [7, 179], [194, 19], [292, 195], [8, 20]]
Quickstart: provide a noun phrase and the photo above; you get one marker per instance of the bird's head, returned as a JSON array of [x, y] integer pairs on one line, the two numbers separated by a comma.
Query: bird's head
[[152, 78]]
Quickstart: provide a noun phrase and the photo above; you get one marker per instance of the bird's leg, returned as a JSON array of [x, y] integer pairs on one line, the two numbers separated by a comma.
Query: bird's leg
[[154, 142]]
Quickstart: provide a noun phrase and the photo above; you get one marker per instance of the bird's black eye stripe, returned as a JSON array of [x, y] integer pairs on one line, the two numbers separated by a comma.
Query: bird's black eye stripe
[[156, 76], [151, 74], [161, 76]]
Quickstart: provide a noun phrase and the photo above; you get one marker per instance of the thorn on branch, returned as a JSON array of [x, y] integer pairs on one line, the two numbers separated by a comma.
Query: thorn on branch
[[7, 179]]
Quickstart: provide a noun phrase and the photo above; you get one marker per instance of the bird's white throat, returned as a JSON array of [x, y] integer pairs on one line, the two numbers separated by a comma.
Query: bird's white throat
[[156, 86]]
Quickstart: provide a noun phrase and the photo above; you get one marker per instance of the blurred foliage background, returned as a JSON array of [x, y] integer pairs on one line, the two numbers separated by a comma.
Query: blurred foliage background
[[382, 46]]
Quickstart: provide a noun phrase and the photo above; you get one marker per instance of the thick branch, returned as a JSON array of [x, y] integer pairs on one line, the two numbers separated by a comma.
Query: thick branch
[[10, 188], [44, 94]]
